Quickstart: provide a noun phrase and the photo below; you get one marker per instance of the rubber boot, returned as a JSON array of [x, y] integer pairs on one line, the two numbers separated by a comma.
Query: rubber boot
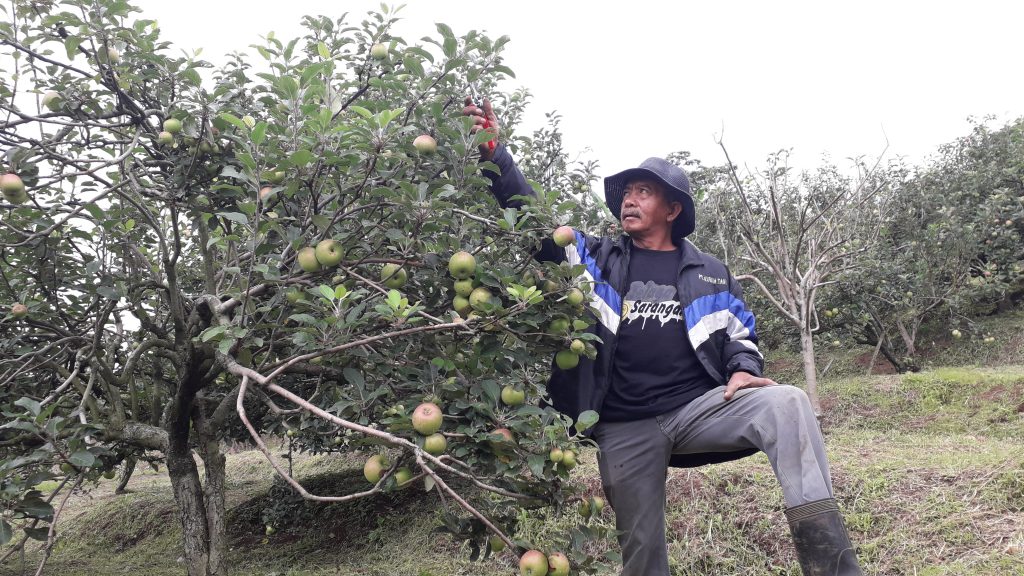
[[822, 544]]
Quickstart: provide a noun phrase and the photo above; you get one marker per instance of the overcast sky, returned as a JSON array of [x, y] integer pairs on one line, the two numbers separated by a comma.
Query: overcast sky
[[642, 78]]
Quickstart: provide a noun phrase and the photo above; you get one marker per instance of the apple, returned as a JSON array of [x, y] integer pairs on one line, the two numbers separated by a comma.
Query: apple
[[464, 287], [67, 468], [109, 474], [402, 477], [19, 310], [328, 252], [172, 125], [295, 295], [569, 459], [109, 56], [165, 138], [578, 347], [425, 144], [550, 286], [529, 279], [379, 51], [479, 298], [497, 544], [274, 177], [558, 565], [265, 195], [512, 396], [13, 188], [584, 508], [558, 326], [427, 418], [270, 530], [435, 444], [533, 563], [52, 101], [205, 147], [563, 236], [567, 359], [290, 433], [393, 276], [338, 441], [505, 434], [461, 305], [556, 454], [374, 468], [574, 297], [597, 505], [462, 265], [307, 259]]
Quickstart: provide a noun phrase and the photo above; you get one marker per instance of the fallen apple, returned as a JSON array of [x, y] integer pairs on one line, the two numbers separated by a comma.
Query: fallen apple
[[533, 563], [558, 565]]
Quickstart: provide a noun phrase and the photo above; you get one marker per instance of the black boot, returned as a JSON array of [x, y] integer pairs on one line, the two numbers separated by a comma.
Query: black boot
[[822, 544]]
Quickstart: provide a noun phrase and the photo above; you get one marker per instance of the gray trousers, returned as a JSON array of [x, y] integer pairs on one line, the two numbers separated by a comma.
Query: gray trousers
[[634, 458]]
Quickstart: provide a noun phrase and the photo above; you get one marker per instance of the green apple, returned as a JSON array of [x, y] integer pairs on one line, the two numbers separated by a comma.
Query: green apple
[[533, 563], [567, 359], [597, 504], [957, 334], [461, 305], [13, 188], [393, 276], [52, 101], [109, 474], [558, 565], [374, 468], [307, 259], [584, 508], [270, 530], [462, 265], [172, 125], [109, 56], [574, 297], [295, 295], [274, 177], [425, 144], [569, 459], [435, 444], [328, 252], [427, 418], [165, 138], [402, 477], [578, 347], [559, 326], [512, 396], [506, 436], [479, 298], [464, 287], [563, 236], [497, 544], [556, 454], [379, 51]]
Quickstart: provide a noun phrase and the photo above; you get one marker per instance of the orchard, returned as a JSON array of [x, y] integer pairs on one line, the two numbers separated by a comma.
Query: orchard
[[272, 249]]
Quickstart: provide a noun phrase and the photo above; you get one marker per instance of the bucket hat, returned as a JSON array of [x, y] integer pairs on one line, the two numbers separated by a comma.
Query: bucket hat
[[676, 183]]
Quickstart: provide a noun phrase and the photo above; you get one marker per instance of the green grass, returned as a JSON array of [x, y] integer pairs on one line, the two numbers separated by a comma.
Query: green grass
[[928, 469]]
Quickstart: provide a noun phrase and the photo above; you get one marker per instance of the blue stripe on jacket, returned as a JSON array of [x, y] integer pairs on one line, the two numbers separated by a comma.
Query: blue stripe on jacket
[[707, 305], [603, 289]]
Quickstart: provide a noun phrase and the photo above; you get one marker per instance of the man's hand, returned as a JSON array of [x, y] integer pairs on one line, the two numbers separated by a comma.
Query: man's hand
[[481, 118], [741, 380]]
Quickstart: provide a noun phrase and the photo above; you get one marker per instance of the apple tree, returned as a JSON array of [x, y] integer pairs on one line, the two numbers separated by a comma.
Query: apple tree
[[298, 243]]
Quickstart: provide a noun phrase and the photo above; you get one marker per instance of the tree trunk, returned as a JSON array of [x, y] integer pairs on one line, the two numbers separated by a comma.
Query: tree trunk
[[810, 368], [213, 496], [188, 495]]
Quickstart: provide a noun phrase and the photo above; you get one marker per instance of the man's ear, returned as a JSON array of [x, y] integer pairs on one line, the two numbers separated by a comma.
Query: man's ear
[[677, 209]]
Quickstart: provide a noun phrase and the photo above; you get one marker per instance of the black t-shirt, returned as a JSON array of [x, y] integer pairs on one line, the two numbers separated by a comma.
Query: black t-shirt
[[655, 369]]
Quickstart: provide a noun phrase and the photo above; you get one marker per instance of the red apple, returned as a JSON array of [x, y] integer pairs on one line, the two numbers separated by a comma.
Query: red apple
[[558, 565], [564, 236], [533, 563], [425, 144], [427, 418]]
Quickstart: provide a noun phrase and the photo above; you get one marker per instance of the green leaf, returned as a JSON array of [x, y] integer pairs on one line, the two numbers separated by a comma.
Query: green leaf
[[301, 157], [82, 459], [259, 132], [587, 419], [491, 390], [361, 111], [212, 332], [303, 318], [536, 464], [28, 404], [327, 292], [233, 120], [35, 507], [321, 49], [394, 298], [40, 534], [428, 483], [71, 44], [236, 217]]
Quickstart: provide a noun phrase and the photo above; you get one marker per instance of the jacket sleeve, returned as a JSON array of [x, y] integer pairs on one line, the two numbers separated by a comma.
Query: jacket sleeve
[[511, 183], [740, 353]]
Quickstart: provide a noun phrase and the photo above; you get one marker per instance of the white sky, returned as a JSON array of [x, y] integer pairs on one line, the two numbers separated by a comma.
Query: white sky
[[644, 78]]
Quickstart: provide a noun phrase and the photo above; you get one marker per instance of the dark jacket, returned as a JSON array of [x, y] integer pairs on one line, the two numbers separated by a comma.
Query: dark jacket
[[720, 328]]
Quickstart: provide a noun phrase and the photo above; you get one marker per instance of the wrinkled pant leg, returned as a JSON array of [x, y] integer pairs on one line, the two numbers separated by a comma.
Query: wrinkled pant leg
[[633, 459], [777, 420]]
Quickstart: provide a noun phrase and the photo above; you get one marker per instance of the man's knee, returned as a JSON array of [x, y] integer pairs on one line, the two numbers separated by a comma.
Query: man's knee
[[789, 399]]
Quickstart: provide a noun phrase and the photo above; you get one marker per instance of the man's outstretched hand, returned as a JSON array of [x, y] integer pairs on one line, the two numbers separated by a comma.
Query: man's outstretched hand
[[482, 116], [741, 380]]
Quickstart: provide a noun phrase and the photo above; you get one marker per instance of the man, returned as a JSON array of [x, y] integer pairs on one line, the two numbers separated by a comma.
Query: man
[[677, 380]]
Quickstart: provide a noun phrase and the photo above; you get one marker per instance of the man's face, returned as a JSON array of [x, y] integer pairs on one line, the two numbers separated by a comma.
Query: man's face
[[646, 207]]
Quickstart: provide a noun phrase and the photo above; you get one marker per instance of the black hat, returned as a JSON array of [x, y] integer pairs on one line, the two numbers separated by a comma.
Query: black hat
[[675, 182]]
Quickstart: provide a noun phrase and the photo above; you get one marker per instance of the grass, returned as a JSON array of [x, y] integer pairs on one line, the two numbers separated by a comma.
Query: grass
[[928, 469]]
